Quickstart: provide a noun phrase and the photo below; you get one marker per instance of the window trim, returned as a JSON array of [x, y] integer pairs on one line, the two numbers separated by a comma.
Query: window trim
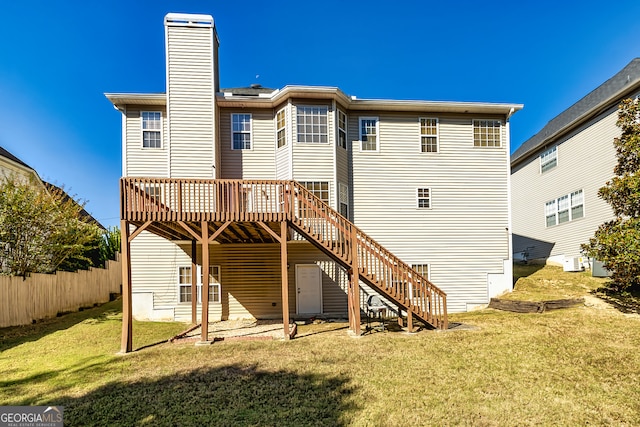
[[552, 208], [216, 284], [361, 142], [250, 131], [320, 134], [477, 123], [550, 152], [343, 198], [428, 277], [143, 130], [304, 183], [428, 198], [436, 136], [282, 128], [342, 129]]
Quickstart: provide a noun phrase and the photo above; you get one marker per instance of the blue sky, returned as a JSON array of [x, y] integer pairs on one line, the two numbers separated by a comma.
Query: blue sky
[[57, 59]]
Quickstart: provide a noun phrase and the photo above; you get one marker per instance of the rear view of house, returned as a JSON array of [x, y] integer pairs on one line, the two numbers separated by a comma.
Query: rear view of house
[[556, 174], [302, 201]]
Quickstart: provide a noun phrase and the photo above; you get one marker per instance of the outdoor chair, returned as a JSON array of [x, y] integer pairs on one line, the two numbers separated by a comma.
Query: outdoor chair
[[375, 310]]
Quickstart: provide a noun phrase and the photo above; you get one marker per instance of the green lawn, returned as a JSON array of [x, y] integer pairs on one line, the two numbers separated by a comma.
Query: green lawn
[[568, 367]]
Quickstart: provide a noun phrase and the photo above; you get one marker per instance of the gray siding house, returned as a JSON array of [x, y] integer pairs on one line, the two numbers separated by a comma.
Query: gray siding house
[[429, 181], [556, 174]]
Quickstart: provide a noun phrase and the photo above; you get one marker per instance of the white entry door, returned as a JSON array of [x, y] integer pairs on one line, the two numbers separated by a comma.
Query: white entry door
[[309, 289]]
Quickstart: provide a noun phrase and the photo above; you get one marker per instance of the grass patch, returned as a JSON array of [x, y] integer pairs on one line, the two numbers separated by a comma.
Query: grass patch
[[569, 367], [534, 283]]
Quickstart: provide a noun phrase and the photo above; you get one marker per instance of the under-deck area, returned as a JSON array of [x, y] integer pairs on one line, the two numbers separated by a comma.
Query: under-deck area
[[205, 212]]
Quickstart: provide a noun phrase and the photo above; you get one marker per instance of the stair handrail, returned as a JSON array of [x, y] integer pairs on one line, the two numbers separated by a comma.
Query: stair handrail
[[433, 311]]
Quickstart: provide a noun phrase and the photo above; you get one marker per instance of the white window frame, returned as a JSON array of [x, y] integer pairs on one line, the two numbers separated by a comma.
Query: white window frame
[[315, 188], [484, 133], [155, 129], [343, 199], [342, 129], [304, 113], [214, 283], [361, 135], [549, 159], [242, 131], [281, 130], [421, 197], [553, 209], [420, 269], [423, 122]]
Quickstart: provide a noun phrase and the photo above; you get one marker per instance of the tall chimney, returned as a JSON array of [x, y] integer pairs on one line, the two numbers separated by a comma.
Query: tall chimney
[[192, 83]]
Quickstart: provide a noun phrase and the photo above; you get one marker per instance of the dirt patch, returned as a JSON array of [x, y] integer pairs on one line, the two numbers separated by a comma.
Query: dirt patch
[[243, 329]]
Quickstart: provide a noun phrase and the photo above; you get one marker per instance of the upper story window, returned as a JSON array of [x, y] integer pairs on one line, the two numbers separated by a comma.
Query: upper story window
[[548, 159], [151, 129], [281, 128], [241, 131], [428, 135], [486, 133], [424, 198], [342, 129], [313, 125], [564, 209], [369, 134]]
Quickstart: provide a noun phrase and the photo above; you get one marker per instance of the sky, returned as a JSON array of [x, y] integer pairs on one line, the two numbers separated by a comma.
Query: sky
[[57, 59]]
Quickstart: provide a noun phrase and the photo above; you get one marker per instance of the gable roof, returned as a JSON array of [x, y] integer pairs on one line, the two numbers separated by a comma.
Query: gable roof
[[604, 96], [84, 215], [4, 153]]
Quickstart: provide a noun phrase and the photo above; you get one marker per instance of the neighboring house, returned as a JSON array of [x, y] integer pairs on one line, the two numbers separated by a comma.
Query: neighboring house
[[82, 213], [11, 166], [428, 180], [556, 174]]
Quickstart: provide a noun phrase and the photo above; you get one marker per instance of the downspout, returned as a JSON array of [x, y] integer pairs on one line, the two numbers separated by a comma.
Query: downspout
[[508, 267]]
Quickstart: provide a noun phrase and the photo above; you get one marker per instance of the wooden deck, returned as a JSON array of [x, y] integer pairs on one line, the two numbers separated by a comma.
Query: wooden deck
[[261, 211]]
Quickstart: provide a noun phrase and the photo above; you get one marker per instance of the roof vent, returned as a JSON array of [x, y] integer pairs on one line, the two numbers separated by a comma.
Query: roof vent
[[256, 86]]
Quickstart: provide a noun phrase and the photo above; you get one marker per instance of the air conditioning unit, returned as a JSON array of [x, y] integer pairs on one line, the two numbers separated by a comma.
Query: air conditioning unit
[[573, 263]]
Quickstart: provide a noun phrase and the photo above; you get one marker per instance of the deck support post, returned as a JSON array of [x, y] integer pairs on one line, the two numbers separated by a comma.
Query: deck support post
[[205, 282], [354, 285], [409, 320], [194, 283], [284, 272], [400, 322], [126, 344]]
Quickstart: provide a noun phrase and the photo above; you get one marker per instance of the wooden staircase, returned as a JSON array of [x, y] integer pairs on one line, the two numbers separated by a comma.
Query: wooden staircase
[[378, 267], [168, 207]]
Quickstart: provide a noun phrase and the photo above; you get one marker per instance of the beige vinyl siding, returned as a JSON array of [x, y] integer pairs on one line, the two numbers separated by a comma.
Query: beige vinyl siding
[[586, 159], [257, 162], [190, 87], [251, 285], [315, 162], [139, 161], [334, 277], [283, 154], [342, 161], [154, 269], [283, 163], [463, 235]]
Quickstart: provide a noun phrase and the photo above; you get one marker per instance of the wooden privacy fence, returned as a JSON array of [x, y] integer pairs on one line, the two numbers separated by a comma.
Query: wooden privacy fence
[[45, 295]]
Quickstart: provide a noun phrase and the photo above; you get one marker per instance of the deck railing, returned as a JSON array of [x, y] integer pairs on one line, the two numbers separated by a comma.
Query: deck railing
[[168, 199]]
